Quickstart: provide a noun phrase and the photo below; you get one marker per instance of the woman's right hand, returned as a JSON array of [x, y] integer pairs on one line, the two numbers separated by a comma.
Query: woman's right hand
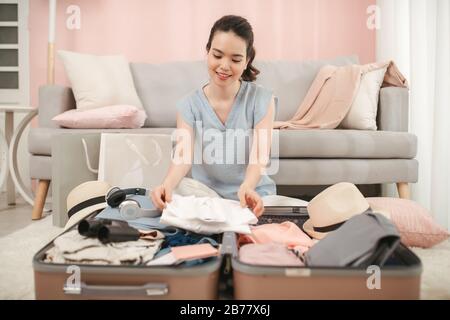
[[160, 196]]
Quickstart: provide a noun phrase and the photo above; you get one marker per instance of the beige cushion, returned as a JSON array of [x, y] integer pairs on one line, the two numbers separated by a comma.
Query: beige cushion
[[363, 112], [99, 81]]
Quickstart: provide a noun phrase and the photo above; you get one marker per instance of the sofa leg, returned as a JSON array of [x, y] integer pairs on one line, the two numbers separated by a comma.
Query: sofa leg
[[403, 190], [39, 200]]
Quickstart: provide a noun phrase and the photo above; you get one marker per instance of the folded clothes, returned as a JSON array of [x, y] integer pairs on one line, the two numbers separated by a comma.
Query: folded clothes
[[269, 254], [182, 237], [188, 253], [286, 233], [207, 215], [71, 247], [164, 256], [185, 238]]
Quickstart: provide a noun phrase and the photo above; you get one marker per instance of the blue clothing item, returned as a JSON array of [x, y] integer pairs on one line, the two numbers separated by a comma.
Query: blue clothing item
[[221, 150], [143, 223], [183, 238]]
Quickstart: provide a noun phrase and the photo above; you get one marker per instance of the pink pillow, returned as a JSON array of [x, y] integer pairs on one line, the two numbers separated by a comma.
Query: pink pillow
[[414, 222], [109, 117]]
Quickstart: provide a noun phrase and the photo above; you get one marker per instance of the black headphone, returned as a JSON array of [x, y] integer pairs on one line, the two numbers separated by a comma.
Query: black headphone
[[115, 196], [129, 208]]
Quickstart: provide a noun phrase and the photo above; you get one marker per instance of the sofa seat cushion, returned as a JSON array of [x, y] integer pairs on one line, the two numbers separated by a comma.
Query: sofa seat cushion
[[39, 139], [353, 144], [330, 171]]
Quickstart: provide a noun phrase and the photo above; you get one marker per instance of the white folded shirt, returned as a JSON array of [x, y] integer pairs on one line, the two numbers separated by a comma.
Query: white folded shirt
[[207, 215]]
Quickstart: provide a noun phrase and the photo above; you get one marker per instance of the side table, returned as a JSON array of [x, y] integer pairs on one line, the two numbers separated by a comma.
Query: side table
[[9, 145]]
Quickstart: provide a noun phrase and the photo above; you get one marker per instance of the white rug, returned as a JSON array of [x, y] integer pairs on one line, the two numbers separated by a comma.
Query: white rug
[[436, 271], [16, 253], [17, 250]]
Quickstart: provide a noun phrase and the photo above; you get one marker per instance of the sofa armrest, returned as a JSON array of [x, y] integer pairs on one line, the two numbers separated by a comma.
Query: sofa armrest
[[393, 109], [54, 100]]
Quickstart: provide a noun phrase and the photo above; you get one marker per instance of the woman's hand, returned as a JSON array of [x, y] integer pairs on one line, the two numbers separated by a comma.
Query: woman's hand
[[249, 197], [160, 195]]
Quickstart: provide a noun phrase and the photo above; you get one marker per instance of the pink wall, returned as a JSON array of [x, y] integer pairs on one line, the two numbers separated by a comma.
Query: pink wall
[[167, 30]]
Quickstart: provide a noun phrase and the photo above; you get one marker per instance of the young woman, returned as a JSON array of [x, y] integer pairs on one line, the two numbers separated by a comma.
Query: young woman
[[228, 106]]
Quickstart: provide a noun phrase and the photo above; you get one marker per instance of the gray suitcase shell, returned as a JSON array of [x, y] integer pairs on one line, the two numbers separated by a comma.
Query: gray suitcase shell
[[399, 278], [53, 281]]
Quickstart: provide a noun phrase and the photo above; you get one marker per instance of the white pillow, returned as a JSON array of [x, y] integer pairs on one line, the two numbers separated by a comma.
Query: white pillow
[[99, 81], [363, 112]]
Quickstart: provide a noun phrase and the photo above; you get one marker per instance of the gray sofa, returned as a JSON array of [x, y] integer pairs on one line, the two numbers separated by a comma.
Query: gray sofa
[[307, 157]]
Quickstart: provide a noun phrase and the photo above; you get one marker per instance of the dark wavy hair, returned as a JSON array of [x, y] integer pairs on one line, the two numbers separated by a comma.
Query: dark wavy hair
[[242, 28]]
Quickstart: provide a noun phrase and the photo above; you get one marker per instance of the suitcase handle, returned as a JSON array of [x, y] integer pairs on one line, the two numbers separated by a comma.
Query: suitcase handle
[[149, 289], [229, 244]]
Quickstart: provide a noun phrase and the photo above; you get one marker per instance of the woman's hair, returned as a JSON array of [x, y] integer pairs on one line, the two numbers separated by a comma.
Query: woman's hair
[[242, 29]]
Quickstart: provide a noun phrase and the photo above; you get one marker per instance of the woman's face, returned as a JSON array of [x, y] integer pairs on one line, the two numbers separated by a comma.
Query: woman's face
[[227, 58]]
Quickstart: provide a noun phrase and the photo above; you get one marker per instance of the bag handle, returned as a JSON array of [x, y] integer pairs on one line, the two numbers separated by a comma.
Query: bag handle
[[148, 289], [88, 163], [134, 148]]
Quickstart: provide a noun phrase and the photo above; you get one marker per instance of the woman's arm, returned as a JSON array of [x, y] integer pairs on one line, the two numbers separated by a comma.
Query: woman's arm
[[260, 150], [183, 155]]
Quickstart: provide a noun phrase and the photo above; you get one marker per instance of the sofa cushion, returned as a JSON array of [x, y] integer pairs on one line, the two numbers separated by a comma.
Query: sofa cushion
[[290, 80], [39, 139], [160, 86], [331, 171], [99, 81], [292, 143], [363, 112], [346, 144], [109, 117]]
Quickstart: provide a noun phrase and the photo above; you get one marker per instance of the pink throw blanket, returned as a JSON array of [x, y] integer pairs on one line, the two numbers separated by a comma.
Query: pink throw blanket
[[332, 92]]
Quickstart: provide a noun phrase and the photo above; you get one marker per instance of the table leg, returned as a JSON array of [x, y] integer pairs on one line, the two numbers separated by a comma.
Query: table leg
[[9, 129], [4, 163], [13, 163]]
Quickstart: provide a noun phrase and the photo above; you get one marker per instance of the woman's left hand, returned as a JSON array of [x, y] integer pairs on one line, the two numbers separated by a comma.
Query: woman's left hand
[[249, 197]]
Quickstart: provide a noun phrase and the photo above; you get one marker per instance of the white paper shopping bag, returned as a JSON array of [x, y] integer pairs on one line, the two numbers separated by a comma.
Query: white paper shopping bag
[[134, 160]]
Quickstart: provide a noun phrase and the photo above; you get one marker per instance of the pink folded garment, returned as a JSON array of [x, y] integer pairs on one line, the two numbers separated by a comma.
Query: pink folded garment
[[332, 92], [194, 251], [269, 254], [180, 254], [286, 233]]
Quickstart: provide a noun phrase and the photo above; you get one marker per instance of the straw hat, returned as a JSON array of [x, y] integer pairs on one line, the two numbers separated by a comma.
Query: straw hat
[[85, 199], [334, 206]]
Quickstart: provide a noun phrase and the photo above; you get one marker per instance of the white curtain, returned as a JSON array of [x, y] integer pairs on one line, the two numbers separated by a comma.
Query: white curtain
[[416, 35]]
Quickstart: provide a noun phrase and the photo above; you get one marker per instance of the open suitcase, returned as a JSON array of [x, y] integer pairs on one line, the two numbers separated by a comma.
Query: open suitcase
[[400, 276], [52, 281]]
